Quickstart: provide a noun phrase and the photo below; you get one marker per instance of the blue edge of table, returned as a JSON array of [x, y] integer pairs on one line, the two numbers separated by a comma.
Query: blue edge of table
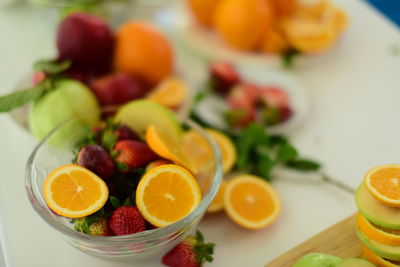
[[391, 8]]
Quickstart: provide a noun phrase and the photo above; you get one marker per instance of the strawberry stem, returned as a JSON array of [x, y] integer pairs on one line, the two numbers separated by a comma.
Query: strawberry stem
[[203, 250]]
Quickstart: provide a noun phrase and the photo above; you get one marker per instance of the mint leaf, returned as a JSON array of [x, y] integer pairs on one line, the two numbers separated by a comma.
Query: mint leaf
[[286, 152], [123, 167], [264, 166], [100, 213], [109, 139], [115, 202], [252, 136], [51, 66], [20, 98], [303, 165], [127, 202], [277, 140]]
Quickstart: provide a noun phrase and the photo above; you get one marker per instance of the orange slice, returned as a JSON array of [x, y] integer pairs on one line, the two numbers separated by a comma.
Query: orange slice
[[375, 259], [168, 148], [75, 192], [218, 202], [167, 194], [377, 233], [384, 184], [200, 150], [170, 93], [251, 202]]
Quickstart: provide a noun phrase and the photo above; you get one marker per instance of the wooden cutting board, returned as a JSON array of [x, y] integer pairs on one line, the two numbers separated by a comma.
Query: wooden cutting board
[[339, 240]]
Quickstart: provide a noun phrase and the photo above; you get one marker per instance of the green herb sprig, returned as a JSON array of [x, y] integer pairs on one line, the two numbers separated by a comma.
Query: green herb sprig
[[52, 70]]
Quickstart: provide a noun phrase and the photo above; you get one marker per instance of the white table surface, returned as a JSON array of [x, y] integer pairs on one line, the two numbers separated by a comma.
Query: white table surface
[[353, 126]]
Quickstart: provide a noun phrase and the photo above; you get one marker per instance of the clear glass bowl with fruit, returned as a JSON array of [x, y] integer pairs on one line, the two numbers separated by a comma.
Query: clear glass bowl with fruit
[[103, 156]]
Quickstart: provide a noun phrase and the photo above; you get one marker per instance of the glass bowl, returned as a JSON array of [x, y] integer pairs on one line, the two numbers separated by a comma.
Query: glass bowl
[[139, 246]]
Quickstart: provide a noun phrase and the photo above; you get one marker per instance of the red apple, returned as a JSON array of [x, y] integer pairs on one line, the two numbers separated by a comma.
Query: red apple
[[87, 41]]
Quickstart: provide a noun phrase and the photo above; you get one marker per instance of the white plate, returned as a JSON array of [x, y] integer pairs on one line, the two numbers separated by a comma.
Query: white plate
[[213, 106], [206, 43]]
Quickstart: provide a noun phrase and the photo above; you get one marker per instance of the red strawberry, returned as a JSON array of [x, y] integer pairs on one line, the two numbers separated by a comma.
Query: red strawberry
[[286, 113], [224, 77], [192, 252], [117, 89], [125, 133], [126, 221], [96, 159], [274, 97], [242, 104], [251, 91], [157, 163], [276, 115], [133, 153]]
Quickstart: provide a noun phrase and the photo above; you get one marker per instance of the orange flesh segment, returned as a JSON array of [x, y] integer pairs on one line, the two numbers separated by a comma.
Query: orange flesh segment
[[387, 182]]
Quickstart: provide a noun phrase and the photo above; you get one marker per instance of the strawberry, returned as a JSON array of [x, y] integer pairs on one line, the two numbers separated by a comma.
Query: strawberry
[[242, 104], [273, 97], [117, 89], [92, 226], [157, 163], [276, 115], [192, 252], [125, 133], [132, 154], [96, 159], [127, 220], [224, 77]]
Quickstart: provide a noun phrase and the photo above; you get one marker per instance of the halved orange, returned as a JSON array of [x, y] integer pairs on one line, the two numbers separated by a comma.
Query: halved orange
[[377, 233], [171, 92], [168, 148], [384, 184], [375, 259], [166, 194], [218, 202], [200, 150], [251, 202], [74, 191]]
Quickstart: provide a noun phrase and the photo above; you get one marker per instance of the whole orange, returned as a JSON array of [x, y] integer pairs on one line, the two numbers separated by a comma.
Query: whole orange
[[203, 10], [143, 51], [274, 42], [242, 23]]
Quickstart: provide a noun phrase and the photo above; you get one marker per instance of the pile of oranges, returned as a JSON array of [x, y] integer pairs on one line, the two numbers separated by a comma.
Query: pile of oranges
[[272, 26]]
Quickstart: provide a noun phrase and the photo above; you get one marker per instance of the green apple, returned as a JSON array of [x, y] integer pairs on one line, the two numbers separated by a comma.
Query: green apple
[[318, 260], [374, 211], [140, 114], [353, 262], [384, 251], [70, 99]]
